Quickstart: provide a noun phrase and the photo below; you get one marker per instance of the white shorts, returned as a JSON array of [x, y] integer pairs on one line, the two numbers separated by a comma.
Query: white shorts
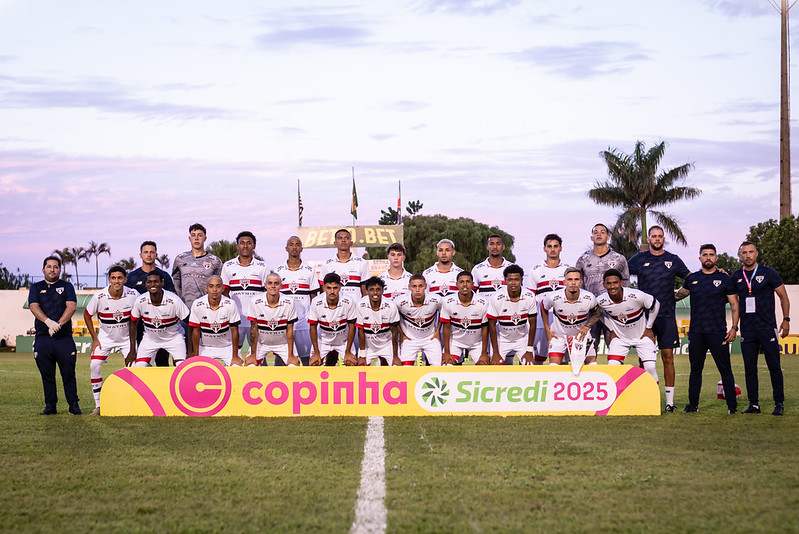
[[277, 350], [326, 349], [515, 348], [619, 348], [147, 349], [560, 346], [474, 351], [223, 354], [108, 347], [430, 347]]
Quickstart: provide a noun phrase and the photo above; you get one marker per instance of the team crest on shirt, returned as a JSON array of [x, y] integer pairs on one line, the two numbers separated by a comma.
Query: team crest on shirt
[[667, 264], [612, 264], [466, 322], [334, 325], [515, 318], [622, 318], [60, 290], [419, 321], [571, 318], [553, 285], [375, 327], [274, 323], [444, 290], [497, 284], [244, 283], [716, 283], [156, 322], [215, 326], [206, 265], [293, 287], [345, 279], [118, 315], [758, 278]]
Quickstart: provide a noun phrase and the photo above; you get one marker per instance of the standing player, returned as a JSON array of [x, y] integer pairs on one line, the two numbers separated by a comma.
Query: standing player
[[243, 278], [137, 279], [161, 312], [511, 320], [418, 323], [756, 286], [488, 275], [301, 285], [214, 323], [395, 278], [112, 306], [545, 278], [351, 269], [441, 276], [465, 326], [593, 264], [629, 313], [332, 320], [710, 291], [575, 311], [377, 321], [191, 269], [53, 303], [272, 317], [657, 270]]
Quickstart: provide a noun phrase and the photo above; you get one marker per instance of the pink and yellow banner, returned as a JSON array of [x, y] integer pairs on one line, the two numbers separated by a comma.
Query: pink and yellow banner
[[203, 387]]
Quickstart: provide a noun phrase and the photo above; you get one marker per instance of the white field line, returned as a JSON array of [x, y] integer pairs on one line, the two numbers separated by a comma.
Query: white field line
[[370, 510]]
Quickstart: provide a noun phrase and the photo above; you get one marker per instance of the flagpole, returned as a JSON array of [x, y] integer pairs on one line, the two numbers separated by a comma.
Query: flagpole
[[299, 204]]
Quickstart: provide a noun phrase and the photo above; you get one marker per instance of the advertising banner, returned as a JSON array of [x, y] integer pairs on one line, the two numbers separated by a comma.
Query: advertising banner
[[203, 387], [362, 236]]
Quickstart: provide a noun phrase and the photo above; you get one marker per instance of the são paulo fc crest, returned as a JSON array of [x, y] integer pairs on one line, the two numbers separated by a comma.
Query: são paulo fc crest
[[571, 318], [244, 283], [553, 285], [515, 318], [345, 279], [496, 284], [717, 283], [375, 328], [60, 290], [215, 326], [334, 325], [157, 322], [118, 315], [444, 290], [273, 323], [667, 264], [293, 287], [206, 264], [759, 279], [419, 321], [466, 322], [612, 264], [622, 318]]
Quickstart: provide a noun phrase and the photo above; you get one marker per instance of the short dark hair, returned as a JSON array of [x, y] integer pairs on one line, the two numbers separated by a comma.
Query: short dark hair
[[602, 225], [745, 244], [157, 273], [245, 233], [462, 274], [117, 269], [148, 244], [707, 246], [331, 278], [54, 258], [197, 226], [513, 269], [492, 236], [399, 247], [612, 272], [550, 237], [342, 230], [655, 227], [417, 276], [374, 281]]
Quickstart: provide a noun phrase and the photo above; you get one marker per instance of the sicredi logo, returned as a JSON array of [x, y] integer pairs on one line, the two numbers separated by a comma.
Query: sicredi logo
[[515, 392], [200, 387]]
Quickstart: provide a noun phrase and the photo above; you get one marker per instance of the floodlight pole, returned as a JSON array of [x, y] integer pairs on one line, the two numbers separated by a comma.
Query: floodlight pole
[[785, 114]]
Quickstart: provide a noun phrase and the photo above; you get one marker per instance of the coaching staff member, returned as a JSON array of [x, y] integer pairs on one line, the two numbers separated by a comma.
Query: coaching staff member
[[53, 302], [756, 286]]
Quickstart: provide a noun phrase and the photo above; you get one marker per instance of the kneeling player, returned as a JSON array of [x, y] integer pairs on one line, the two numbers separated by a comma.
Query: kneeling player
[[575, 312], [418, 311], [161, 312], [332, 320], [272, 318], [511, 320], [214, 322], [112, 305], [629, 314], [465, 326], [377, 320]]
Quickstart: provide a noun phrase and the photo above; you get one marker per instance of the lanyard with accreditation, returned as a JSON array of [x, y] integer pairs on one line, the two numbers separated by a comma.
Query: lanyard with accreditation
[[749, 305]]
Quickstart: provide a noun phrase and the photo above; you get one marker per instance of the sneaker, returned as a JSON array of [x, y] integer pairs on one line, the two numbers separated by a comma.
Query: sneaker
[[96, 411], [753, 408], [670, 408], [75, 410], [779, 409], [732, 411], [48, 411], [691, 408]]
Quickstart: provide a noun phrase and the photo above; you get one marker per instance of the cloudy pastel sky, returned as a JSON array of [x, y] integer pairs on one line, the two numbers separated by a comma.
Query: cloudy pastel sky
[[125, 121]]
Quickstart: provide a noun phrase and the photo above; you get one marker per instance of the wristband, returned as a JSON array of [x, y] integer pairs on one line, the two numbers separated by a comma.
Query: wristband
[[530, 348], [734, 327], [788, 319]]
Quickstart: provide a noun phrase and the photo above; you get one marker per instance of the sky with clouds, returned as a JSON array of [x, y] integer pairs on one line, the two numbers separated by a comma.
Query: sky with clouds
[[130, 121]]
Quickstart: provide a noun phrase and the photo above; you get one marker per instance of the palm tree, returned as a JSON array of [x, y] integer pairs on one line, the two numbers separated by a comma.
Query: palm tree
[[163, 260], [127, 263], [77, 254], [95, 250], [223, 249], [65, 255], [636, 186]]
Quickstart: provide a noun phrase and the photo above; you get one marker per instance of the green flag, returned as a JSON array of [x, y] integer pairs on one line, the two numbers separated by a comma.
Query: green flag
[[354, 205]]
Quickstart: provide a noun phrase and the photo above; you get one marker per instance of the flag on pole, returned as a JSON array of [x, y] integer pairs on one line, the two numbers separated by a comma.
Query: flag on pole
[[354, 205], [399, 202], [299, 204]]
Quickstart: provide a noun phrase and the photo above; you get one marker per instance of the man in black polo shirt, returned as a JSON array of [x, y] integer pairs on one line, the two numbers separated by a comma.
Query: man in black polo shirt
[[756, 285], [710, 291], [53, 302]]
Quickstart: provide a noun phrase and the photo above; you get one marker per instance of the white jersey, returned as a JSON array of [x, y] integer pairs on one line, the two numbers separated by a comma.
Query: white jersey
[[629, 318], [298, 284], [161, 323], [395, 287], [488, 279], [244, 282], [418, 322], [544, 279], [567, 318], [376, 325], [113, 315], [332, 322], [442, 283], [273, 322], [215, 324], [466, 322], [353, 273], [512, 316]]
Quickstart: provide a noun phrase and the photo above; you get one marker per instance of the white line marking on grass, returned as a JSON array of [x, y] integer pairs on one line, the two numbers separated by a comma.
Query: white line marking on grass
[[370, 510]]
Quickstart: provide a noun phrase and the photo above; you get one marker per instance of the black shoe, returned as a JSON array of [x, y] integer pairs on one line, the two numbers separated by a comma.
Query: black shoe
[[75, 410], [670, 408], [48, 411], [732, 411], [753, 408], [779, 409], [691, 408]]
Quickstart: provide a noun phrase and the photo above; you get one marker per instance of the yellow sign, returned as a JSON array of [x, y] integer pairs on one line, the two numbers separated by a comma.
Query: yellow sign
[[362, 236], [203, 387]]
